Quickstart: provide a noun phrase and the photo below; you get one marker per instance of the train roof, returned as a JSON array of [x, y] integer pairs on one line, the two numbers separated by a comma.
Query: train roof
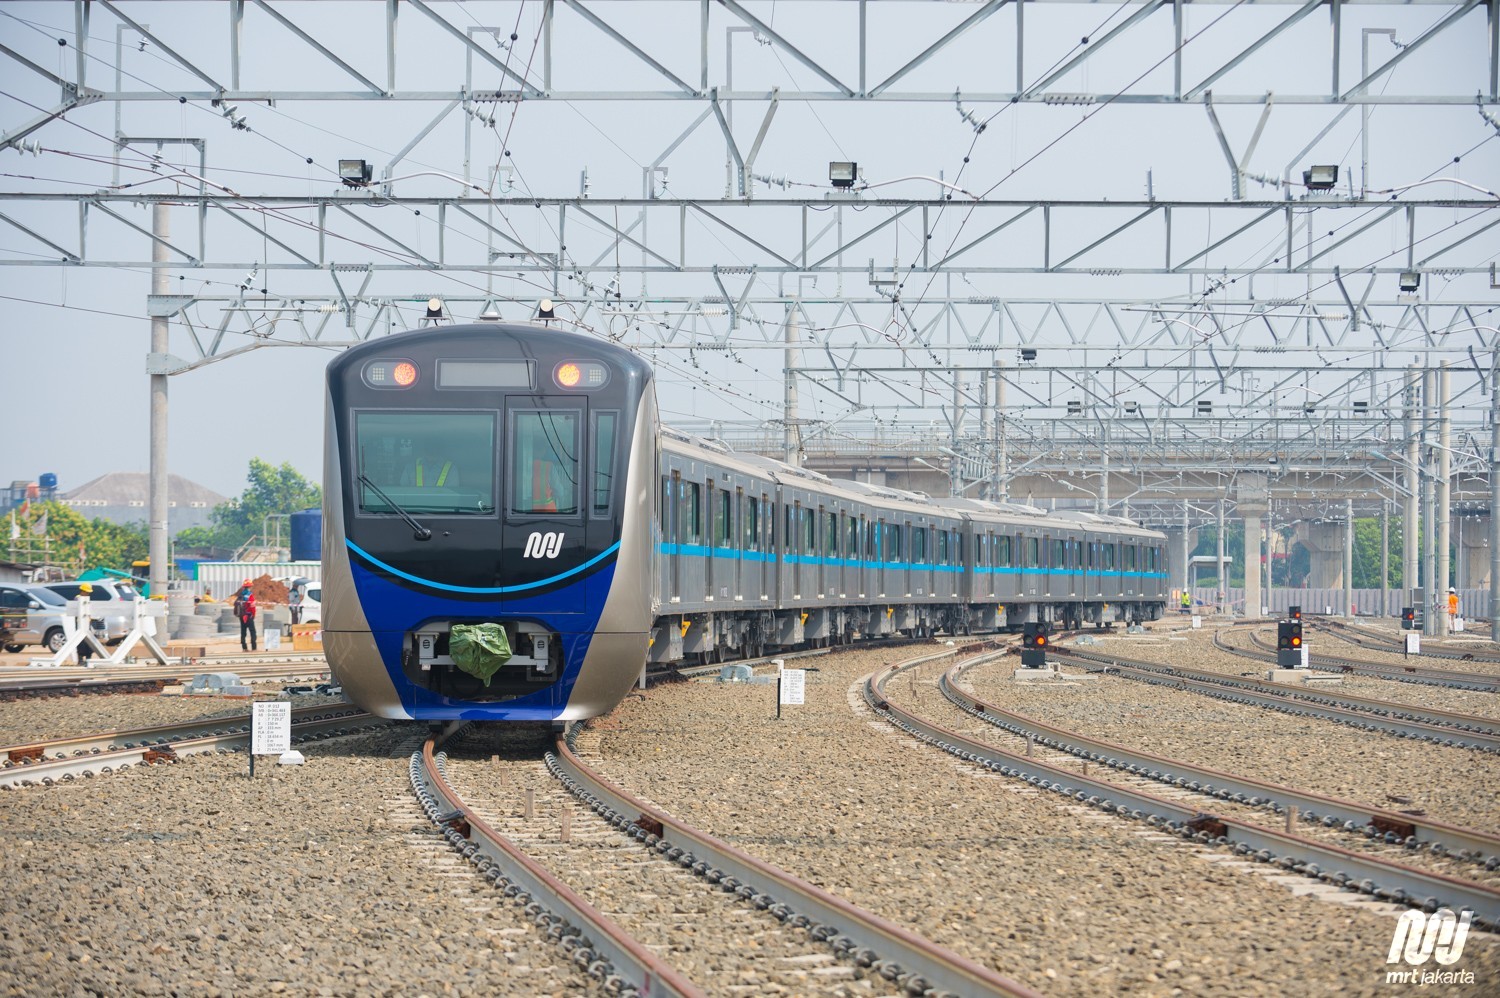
[[781, 473]]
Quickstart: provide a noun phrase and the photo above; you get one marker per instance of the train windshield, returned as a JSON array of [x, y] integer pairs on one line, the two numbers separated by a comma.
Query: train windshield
[[439, 463]]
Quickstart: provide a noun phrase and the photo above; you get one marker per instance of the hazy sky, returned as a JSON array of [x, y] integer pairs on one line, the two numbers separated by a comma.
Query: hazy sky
[[75, 374]]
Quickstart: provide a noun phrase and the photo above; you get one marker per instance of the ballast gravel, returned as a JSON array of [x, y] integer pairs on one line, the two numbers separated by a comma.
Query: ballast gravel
[[323, 879], [1196, 649], [1059, 897]]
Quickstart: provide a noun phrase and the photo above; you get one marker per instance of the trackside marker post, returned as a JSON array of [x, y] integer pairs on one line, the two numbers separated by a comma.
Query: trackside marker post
[[270, 730]]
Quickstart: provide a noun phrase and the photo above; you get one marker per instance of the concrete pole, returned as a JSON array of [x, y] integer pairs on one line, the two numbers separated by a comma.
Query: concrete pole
[[160, 343], [1348, 608], [1385, 558], [1429, 513], [792, 438], [1222, 599], [1270, 551], [1410, 528], [1002, 465], [956, 463], [1444, 497], [987, 432], [1252, 565], [1187, 550], [1495, 497], [1101, 501]]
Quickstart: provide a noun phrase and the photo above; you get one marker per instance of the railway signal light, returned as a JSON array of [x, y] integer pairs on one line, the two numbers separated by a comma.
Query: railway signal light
[[1034, 645], [1294, 613], [1289, 644], [1408, 618]]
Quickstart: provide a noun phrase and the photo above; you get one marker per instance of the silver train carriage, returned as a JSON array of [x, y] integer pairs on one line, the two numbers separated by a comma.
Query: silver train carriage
[[757, 555], [518, 475]]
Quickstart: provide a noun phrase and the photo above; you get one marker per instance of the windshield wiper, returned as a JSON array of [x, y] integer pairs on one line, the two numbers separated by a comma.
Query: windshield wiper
[[418, 531]]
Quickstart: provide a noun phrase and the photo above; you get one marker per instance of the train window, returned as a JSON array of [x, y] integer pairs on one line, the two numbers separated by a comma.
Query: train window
[[544, 462], [666, 505], [439, 463], [1033, 552], [851, 537], [752, 524], [690, 513], [1130, 558], [809, 532], [1002, 551], [723, 524], [872, 538], [602, 496], [942, 551], [831, 534]]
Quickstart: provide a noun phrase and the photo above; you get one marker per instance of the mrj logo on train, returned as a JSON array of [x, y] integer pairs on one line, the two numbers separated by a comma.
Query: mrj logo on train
[[540, 545], [1439, 936]]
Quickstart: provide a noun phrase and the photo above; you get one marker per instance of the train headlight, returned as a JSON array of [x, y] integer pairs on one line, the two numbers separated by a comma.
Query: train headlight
[[580, 375], [391, 373]]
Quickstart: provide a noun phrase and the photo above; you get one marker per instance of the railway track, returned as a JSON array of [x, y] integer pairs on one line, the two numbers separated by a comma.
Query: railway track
[[1446, 728], [1367, 874], [44, 763], [1366, 638], [610, 954], [18, 683], [1450, 678], [1406, 829]]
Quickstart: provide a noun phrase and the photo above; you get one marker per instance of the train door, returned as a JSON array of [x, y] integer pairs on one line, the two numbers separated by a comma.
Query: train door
[[740, 543], [544, 488], [671, 485], [711, 536], [1075, 565]]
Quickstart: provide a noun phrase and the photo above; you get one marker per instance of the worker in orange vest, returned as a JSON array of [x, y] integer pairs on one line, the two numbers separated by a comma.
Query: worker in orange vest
[[1452, 603]]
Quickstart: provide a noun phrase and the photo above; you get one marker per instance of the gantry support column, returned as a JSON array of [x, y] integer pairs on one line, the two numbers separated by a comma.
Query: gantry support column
[[1443, 497], [158, 534], [1473, 555], [1410, 527], [1347, 610], [1251, 498], [1325, 543]]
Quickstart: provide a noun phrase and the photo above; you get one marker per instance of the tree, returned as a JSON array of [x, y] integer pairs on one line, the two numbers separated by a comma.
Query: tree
[[73, 542], [271, 491]]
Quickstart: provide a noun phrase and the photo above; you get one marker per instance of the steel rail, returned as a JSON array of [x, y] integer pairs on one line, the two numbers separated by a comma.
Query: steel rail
[[1423, 675], [600, 947], [1411, 830], [22, 677], [1378, 642], [92, 755], [893, 951], [1371, 875], [1366, 715]]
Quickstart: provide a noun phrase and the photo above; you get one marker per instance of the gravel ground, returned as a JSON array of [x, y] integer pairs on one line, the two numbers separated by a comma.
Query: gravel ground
[[1195, 650], [323, 879], [1061, 898], [1222, 737], [718, 940], [1334, 641], [27, 721]]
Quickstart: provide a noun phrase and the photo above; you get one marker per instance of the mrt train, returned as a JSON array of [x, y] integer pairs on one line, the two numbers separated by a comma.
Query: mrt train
[[518, 475]]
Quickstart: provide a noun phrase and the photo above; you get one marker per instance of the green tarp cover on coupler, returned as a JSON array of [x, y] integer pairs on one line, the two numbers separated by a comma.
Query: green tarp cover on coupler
[[479, 649]]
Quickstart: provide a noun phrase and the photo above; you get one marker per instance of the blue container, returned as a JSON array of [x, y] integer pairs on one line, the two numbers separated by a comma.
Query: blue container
[[307, 535], [47, 480]]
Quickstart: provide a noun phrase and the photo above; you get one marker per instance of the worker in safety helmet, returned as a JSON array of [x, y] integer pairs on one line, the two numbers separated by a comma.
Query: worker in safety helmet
[[1452, 603]]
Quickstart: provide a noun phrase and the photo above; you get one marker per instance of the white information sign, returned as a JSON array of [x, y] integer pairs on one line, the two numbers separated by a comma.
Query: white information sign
[[1458, 624], [1197, 622], [1413, 643], [273, 639], [1304, 656], [270, 728], [793, 685]]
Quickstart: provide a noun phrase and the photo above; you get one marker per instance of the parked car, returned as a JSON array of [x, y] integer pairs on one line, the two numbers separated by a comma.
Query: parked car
[[117, 624], [312, 603], [31, 615]]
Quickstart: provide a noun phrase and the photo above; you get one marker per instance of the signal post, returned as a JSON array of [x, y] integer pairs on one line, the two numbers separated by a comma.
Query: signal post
[[1034, 664]]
